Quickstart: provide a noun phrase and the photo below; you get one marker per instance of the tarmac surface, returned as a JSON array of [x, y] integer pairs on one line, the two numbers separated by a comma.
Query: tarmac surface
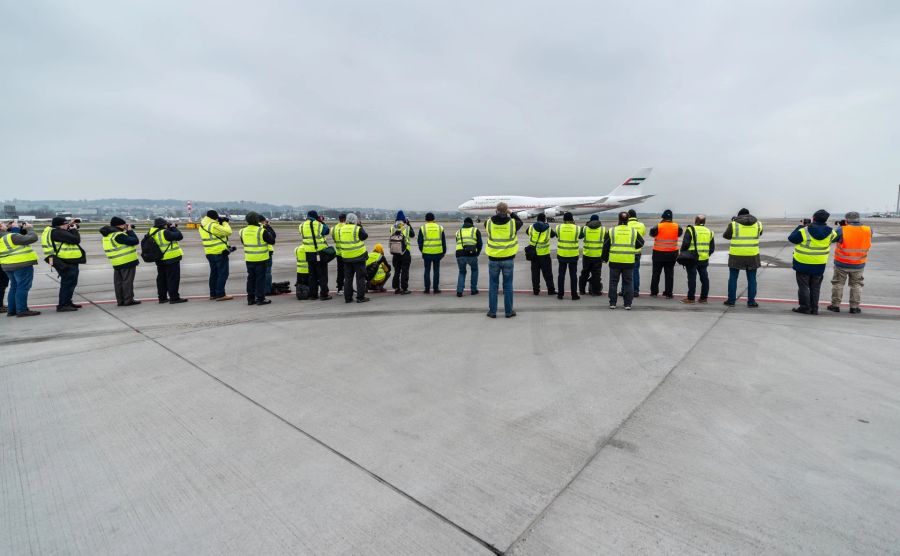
[[415, 425]]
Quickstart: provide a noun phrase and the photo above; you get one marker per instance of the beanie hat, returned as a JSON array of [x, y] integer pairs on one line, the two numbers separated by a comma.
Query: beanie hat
[[312, 214], [212, 214], [160, 222], [342, 217], [567, 217], [352, 218], [542, 217], [852, 216], [742, 212], [667, 214], [252, 218], [400, 216], [631, 213], [116, 221], [58, 221], [429, 216], [468, 220], [821, 216], [595, 217]]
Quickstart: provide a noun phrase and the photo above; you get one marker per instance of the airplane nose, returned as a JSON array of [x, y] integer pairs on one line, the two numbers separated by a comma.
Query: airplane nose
[[466, 205]]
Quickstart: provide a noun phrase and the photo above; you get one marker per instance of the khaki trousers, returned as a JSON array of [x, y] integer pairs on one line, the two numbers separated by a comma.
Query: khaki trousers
[[856, 284]]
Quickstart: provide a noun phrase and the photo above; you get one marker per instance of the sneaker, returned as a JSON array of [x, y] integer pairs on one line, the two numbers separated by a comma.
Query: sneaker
[[559, 296], [179, 300], [458, 294], [427, 291], [76, 305], [66, 309], [612, 306], [363, 300], [537, 292], [264, 302], [397, 291], [703, 300], [687, 301], [511, 315], [814, 311], [628, 307], [405, 292], [575, 297], [637, 294], [801, 310], [855, 311], [492, 315], [28, 313], [161, 301], [728, 303], [251, 301], [437, 290], [654, 295], [132, 302], [325, 298], [551, 292], [225, 298], [474, 292], [669, 296], [752, 304], [834, 308]]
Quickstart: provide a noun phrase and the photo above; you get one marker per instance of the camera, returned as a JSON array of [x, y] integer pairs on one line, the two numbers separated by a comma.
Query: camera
[[807, 221], [840, 222], [232, 248]]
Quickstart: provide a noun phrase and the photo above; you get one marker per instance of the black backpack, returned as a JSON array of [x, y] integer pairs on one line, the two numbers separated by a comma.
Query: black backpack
[[150, 250]]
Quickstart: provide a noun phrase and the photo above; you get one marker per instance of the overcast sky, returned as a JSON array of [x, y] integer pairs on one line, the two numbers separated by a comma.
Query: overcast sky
[[774, 105]]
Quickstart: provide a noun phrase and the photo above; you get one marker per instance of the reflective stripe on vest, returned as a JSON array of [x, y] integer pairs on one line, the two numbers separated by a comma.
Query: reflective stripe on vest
[[336, 237], [351, 246], [567, 240], [702, 237], [812, 250], [406, 232], [212, 244], [302, 265], [170, 249], [502, 241], [854, 245], [641, 229], [465, 239], [10, 253], [745, 239], [622, 241], [666, 237], [540, 240], [255, 248], [64, 251], [593, 241], [431, 244], [311, 234], [117, 253], [376, 257]]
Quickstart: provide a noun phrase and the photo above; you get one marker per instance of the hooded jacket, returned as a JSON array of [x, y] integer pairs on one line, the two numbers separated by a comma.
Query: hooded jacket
[[16, 237], [501, 220], [73, 237], [130, 238], [687, 243], [818, 230], [742, 262], [665, 255], [478, 242]]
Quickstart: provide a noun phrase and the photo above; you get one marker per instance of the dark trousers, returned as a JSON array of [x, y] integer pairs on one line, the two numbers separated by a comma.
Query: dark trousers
[[432, 271], [339, 283], [68, 280], [692, 272], [268, 278], [354, 270], [303, 280], [318, 276], [542, 265], [627, 276], [591, 272], [808, 286], [218, 274], [636, 273], [570, 265], [168, 278], [123, 282], [256, 281], [4, 283], [658, 268], [401, 268]]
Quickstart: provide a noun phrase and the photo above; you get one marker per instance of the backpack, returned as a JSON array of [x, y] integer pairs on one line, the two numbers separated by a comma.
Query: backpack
[[397, 243], [150, 250]]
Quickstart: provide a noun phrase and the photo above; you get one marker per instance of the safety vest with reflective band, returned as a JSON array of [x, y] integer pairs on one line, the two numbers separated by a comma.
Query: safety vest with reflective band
[[117, 253], [170, 249], [666, 237], [502, 241], [406, 232], [540, 240], [853, 249], [745, 239], [380, 273], [466, 237], [812, 250], [567, 240], [64, 251], [593, 241], [311, 233], [640, 227], [255, 247], [701, 238], [622, 240], [351, 246], [431, 244], [302, 265], [336, 236], [213, 244], [10, 253]]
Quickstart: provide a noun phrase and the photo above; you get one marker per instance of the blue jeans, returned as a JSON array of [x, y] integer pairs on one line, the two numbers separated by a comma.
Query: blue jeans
[[432, 271], [636, 280], [494, 270], [218, 274], [471, 262], [733, 274], [68, 279], [19, 285], [692, 272]]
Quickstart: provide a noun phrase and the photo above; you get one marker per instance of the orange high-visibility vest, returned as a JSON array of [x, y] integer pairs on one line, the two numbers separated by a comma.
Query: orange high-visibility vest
[[666, 237], [854, 246]]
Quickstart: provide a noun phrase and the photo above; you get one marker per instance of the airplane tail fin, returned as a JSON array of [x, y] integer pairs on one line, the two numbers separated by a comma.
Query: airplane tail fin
[[632, 186]]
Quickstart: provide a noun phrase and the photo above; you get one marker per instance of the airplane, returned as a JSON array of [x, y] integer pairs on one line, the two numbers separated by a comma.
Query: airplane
[[629, 193]]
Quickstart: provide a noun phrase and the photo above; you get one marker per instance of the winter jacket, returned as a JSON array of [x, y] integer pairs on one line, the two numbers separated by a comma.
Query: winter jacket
[[607, 244], [17, 237], [817, 231], [478, 242], [501, 220], [130, 238], [73, 237], [742, 262], [664, 255], [432, 256], [687, 244]]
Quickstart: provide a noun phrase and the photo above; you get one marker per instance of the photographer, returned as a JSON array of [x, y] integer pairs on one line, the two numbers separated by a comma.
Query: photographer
[[120, 245], [850, 256], [270, 231], [214, 232], [17, 260], [61, 243], [256, 241], [168, 269], [812, 241], [502, 246]]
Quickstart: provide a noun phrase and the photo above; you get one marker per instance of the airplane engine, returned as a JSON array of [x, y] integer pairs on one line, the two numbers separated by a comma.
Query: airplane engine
[[551, 213], [523, 214]]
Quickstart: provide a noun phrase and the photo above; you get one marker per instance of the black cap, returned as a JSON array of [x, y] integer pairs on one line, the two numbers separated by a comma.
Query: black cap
[[667, 214], [742, 212], [160, 222], [468, 220], [252, 218], [116, 221], [429, 216], [631, 214], [58, 221], [212, 214], [567, 217], [312, 214], [821, 216], [542, 217], [595, 217]]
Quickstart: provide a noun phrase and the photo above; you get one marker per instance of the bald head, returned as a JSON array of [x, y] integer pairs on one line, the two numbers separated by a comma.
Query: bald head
[[700, 219]]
